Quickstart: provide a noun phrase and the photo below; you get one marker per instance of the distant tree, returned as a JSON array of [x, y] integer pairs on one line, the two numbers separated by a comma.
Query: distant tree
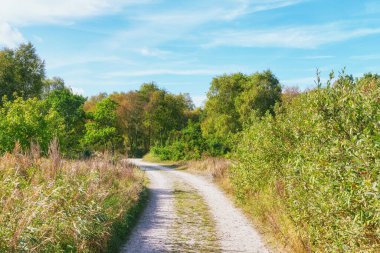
[[50, 85], [21, 72], [70, 108], [130, 114], [101, 132], [221, 115], [7, 74], [232, 101], [90, 104], [289, 94], [259, 95]]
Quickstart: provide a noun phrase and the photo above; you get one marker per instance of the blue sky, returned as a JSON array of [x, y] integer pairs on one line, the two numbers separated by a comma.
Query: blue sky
[[115, 45]]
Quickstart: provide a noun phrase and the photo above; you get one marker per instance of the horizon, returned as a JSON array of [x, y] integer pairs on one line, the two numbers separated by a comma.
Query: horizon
[[115, 46]]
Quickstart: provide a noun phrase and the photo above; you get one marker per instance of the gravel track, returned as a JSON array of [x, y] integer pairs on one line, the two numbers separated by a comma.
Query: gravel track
[[153, 232]]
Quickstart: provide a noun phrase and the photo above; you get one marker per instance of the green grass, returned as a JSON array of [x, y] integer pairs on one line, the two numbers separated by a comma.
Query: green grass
[[122, 229], [194, 227]]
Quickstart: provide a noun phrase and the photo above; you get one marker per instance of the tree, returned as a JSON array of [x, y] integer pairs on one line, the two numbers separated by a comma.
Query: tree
[[221, 112], [7, 74], [56, 83], [90, 104], [70, 108], [259, 95], [130, 114], [29, 120], [21, 72], [232, 101], [101, 132]]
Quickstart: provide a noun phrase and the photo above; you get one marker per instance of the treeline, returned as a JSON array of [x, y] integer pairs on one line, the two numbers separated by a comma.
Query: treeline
[[34, 109], [233, 101]]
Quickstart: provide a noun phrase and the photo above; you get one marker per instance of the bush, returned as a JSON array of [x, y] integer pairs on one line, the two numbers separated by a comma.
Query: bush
[[186, 144], [27, 121], [320, 156]]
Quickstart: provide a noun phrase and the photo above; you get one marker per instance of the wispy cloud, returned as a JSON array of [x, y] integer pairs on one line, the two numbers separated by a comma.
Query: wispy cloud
[[367, 57], [9, 37], [17, 13], [20, 12], [156, 27], [151, 52], [317, 57], [291, 37], [153, 72], [85, 59]]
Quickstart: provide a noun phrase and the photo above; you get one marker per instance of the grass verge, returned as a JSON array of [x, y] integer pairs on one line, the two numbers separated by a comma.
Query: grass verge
[[55, 205]]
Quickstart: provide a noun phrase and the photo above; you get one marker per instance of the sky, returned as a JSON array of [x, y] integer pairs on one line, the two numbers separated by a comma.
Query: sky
[[116, 45]]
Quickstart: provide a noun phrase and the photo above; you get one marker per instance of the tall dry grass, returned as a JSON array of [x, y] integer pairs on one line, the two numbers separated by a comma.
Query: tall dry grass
[[215, 168], [56, 205]]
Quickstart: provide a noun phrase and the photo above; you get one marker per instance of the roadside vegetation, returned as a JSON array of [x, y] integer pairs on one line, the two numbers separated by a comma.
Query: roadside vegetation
[[56, 205], [304, 165], [63, 186], [306, 169]]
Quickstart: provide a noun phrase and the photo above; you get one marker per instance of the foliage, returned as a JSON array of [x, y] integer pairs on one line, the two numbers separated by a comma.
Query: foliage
[[146, 116], [21, 72], [320, 156], [84, 207], [70, 107], [101, 132], [232, 100], [186, 144], [27, 121]]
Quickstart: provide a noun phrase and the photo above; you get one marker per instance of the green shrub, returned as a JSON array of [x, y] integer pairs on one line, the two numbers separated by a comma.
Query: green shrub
[[27, 121], [186, 144], [321, 155]]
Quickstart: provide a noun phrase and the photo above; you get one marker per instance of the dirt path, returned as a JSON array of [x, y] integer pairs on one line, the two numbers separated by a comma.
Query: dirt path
[[187, 213]]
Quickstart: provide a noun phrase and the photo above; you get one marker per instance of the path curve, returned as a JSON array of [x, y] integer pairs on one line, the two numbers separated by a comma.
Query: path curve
[[235, 232]]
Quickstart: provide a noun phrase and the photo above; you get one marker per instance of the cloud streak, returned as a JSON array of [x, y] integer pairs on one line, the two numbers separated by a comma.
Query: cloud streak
[[308, 37], [9, 37], [20, 12], [154, 72]]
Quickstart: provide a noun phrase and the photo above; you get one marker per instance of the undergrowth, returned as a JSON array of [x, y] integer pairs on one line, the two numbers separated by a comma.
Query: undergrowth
[[318, 161], [56, 205]]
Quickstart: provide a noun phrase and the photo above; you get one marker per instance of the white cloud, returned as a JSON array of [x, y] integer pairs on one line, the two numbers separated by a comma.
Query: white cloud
[[291, 37], [366, 57], [16, 13], [21, 12], [154, 52], [317, 57], [9, 36], [61, 61], [153, 72], [156, 27], [78, 91], [272, 4], [199, 101]]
